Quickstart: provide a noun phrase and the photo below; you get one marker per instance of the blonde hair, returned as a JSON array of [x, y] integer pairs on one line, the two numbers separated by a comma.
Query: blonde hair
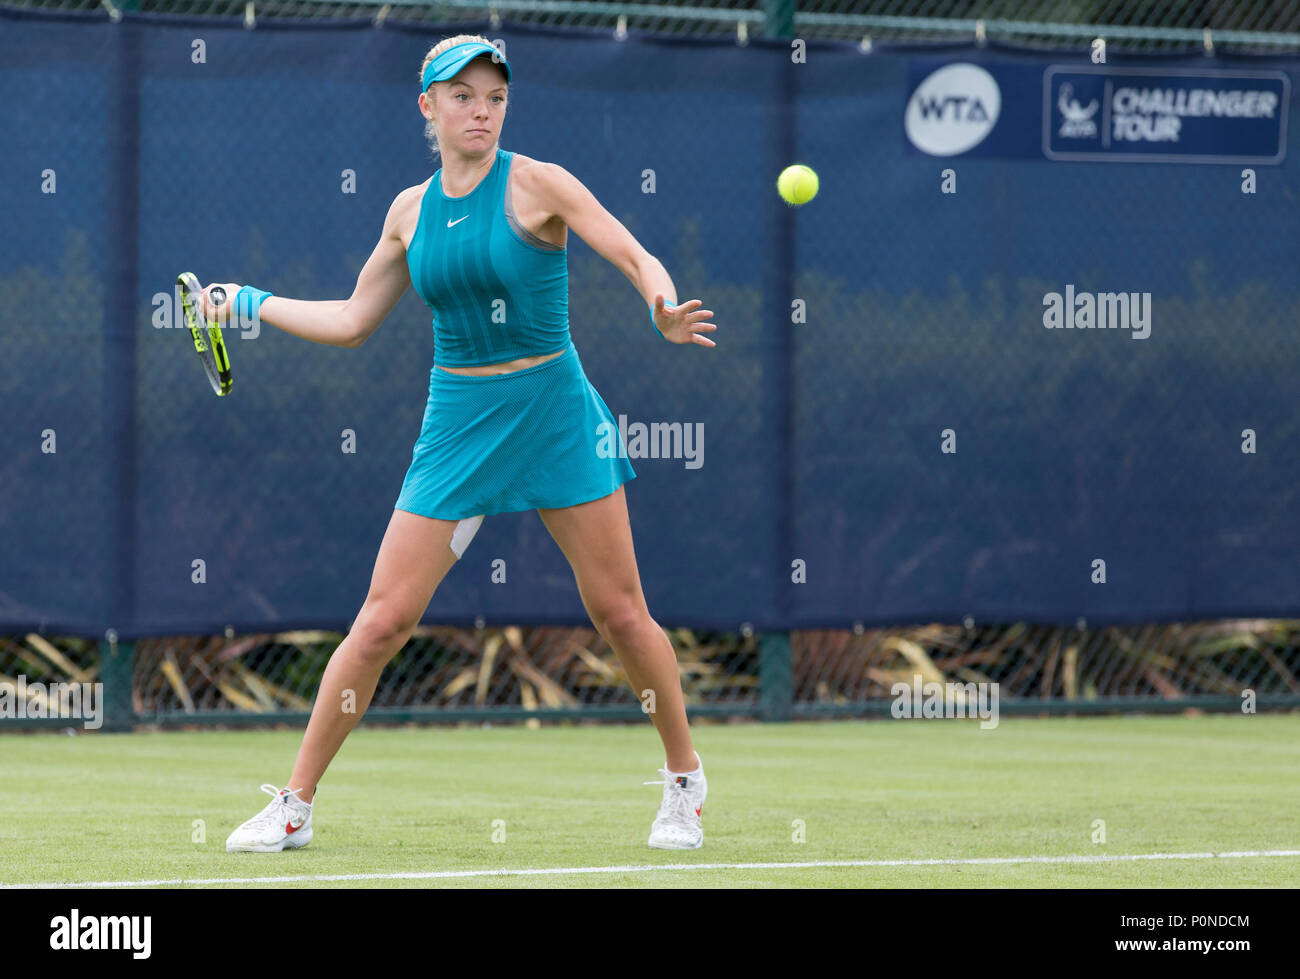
[[431, 131]]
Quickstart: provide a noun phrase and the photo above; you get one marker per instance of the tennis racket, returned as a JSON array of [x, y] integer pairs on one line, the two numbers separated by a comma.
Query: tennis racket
[[208, 342]]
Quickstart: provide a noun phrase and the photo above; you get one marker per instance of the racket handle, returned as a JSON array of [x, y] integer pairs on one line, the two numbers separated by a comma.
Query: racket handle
[[217, 295]]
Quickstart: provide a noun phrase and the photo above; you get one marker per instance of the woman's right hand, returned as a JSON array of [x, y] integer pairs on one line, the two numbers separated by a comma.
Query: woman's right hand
[[213, 312]]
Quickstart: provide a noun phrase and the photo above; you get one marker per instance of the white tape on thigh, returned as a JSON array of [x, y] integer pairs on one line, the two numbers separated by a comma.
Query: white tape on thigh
[[464, 533]]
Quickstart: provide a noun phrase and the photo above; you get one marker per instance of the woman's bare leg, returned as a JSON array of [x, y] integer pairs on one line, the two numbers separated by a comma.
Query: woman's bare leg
[[413, 559], [596, 538]]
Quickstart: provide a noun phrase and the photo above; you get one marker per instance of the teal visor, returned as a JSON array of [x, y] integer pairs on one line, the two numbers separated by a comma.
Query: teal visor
[[447, 64]]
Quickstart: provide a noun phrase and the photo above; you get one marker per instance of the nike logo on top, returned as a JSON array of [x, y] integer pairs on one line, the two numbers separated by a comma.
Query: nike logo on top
[[457, 221], [289, 827]]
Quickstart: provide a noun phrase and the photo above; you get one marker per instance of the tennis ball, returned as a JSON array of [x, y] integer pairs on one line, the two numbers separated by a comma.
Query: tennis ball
[[797, 184]]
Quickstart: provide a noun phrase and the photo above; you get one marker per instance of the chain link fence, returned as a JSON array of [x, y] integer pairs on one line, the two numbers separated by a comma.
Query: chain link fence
[[459, 671], [1137, 25], [517, 673], [474, 675]]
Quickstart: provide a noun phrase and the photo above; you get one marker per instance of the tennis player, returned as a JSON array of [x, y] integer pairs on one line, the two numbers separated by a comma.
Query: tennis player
[[511, 422]]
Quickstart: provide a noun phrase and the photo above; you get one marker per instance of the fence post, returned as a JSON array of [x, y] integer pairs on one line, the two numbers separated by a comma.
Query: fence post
[[775, 676], [778, 18], [117, 674], [776, 685], [121, 322]]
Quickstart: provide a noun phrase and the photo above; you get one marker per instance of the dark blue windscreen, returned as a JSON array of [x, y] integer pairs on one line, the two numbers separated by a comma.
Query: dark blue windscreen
[[273, 161], [1072, 445]]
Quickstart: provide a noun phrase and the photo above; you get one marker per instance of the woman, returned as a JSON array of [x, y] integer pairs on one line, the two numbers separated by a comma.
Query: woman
[[510, 423]]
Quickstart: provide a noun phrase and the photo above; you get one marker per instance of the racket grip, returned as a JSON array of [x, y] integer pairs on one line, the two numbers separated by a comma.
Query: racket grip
[[217, 295]]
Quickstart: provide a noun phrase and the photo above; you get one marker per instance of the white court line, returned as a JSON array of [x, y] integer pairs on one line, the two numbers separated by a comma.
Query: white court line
[[641, 868]]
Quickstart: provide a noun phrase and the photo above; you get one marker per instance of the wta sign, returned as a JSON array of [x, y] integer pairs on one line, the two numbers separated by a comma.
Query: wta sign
[[952, 110], [1165, 115]]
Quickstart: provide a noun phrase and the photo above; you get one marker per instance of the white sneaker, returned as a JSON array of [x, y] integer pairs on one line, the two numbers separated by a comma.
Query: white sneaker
[[285, 824], [679, 825]]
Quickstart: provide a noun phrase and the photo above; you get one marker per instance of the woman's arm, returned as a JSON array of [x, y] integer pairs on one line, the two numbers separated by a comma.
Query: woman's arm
[[344, 322], [566, 196]]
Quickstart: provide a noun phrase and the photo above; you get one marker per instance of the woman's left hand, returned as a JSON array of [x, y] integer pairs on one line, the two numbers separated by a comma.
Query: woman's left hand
[[684, 323]]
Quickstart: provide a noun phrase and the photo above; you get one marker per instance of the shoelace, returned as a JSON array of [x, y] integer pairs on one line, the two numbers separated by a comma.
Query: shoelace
[[675, 807], [276, 811]]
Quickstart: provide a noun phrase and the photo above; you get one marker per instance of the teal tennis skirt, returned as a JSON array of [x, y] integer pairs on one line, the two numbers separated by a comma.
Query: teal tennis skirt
[[540, 437]]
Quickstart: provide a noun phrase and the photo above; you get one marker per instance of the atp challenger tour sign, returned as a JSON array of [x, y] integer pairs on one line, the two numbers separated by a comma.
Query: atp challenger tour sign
[[1014, 108], [1165, 115]]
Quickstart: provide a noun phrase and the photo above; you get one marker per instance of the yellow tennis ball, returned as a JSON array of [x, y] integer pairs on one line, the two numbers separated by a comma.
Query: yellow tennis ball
[[797, 184]]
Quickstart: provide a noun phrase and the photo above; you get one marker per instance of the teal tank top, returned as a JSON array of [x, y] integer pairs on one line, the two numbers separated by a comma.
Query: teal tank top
[[497, 291]]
